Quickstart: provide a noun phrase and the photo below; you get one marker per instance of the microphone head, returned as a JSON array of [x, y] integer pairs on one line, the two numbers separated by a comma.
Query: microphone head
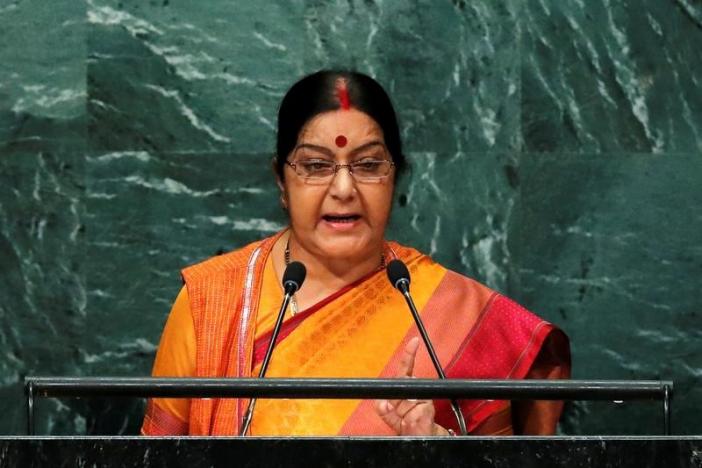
[[398, 274], [293, 277]]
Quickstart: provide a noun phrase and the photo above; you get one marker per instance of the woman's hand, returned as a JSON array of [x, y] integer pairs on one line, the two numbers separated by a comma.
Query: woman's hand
[[409, 417]]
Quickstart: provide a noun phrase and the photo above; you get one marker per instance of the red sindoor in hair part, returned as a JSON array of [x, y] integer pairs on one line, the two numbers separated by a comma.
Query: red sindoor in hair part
[[342, 93]]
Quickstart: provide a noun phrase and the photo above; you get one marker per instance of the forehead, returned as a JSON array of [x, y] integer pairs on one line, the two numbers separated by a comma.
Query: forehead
[[355, 125]]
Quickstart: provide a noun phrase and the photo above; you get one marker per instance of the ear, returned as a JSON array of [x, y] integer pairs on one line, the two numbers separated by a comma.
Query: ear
[[279, 182], [281, 185]]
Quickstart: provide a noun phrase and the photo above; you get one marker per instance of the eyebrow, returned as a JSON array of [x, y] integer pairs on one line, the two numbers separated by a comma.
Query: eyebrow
[[321, 149], [365, 146], [328, 152]]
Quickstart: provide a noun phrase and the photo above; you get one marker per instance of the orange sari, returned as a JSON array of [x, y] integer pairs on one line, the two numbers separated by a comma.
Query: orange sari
[[221, 323]]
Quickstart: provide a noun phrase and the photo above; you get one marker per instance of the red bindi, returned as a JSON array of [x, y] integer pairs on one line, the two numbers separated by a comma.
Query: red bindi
[[341, 141]]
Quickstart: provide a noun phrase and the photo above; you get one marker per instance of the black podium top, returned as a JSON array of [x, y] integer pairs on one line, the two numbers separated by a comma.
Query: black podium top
[[477, 452]]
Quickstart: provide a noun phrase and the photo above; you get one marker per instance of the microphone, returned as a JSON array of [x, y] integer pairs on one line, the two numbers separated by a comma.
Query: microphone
[[293, 277], [399, 277]]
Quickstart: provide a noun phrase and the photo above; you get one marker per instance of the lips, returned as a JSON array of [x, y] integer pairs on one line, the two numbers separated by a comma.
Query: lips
[[341, 218]]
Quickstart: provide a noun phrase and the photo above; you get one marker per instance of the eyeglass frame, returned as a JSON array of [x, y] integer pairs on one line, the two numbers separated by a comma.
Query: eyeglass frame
[[328, 179]]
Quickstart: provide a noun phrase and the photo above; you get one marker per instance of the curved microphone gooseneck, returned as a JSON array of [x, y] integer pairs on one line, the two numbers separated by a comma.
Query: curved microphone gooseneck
[[400, 279], [293, 278]]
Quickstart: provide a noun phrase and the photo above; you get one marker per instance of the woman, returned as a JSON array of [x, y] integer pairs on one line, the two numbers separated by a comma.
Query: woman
[[338, 157]]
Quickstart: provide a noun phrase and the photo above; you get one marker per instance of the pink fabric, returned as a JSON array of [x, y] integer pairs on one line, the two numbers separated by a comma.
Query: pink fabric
[[503, 344]]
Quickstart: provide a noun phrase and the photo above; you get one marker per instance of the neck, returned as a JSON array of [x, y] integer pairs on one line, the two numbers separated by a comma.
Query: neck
[[325, 275]]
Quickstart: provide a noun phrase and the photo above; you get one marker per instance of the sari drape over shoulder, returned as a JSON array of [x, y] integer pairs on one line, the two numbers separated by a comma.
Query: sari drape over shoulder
[[221, 324]]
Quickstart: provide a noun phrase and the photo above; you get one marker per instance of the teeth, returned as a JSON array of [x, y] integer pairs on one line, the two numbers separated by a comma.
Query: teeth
[[341, 219]]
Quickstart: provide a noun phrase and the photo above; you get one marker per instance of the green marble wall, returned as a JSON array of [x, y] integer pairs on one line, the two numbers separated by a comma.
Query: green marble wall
[[556, 151]]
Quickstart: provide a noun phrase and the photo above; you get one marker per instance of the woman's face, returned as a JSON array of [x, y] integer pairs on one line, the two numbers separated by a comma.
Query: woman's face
[[341, 218]]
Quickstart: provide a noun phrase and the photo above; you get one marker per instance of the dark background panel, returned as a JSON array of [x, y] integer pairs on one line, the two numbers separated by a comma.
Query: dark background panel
[[185, 76], [456, 207], [44, 306], [611, 76], [609, 248], [42, 76]]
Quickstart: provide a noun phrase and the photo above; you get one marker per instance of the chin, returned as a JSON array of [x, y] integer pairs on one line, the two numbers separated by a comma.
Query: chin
[[345, 248]]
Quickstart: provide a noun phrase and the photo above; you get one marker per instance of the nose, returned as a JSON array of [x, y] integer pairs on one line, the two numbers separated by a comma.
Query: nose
[[342, 185]]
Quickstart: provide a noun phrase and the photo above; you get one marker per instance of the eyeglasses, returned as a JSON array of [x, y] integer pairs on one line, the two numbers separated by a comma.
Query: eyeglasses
[[321, 171]]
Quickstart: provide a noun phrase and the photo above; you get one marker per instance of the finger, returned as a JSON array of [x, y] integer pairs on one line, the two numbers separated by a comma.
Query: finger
[[388, 414], [406, 406], [382, 407], [406, 367], [417, 427], [392, 414], [385, 407], [419, 420]]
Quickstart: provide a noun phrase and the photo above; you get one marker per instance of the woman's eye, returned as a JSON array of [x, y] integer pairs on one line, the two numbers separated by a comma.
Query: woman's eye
[[315, 166], [368, 165]]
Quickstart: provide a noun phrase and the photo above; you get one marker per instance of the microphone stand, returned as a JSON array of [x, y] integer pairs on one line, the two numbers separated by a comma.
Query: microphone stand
[[403, 286], [246, 421]]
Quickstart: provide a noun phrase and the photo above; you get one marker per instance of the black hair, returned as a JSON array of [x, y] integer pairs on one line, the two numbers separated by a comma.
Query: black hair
[[318, 93]]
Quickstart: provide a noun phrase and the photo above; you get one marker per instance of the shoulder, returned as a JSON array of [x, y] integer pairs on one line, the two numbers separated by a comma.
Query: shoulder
[[226, 263], [458, 285], [506, 312], [217, 285], [424, 266], [403, 252]]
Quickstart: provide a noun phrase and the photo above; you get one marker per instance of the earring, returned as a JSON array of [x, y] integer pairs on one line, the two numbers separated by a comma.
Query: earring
[[283, 201]]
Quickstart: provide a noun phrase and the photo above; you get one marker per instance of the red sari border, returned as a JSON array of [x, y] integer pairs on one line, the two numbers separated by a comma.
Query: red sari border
[[506, 342]]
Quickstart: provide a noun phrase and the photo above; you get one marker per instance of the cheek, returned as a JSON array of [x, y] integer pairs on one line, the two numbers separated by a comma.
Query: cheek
[[303, 206], [380, 204]]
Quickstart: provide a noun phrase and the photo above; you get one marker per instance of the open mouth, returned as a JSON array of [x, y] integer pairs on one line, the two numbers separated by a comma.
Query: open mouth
[[341, 218]]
